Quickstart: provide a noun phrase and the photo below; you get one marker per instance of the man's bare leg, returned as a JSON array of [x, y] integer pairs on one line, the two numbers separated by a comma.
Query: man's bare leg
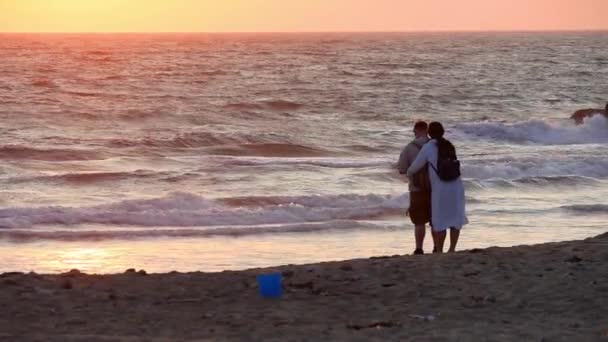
[[419, 233], [440, 241], [454, 235]]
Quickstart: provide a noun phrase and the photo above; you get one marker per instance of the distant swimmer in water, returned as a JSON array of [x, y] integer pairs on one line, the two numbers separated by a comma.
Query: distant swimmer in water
[[580, 115]]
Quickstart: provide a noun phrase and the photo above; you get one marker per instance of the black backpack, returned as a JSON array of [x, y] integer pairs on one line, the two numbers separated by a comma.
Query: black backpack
[[448, 165], [420, 179]]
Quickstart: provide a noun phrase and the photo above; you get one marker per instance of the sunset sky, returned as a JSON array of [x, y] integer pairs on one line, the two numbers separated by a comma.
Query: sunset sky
[[299, 15]]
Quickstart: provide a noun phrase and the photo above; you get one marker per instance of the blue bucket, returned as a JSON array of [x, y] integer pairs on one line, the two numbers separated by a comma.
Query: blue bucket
[[270, 285]]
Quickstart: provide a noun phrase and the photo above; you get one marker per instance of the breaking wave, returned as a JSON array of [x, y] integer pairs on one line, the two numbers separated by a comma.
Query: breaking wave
[[542, 181], [536, 169], [91, 234], [593, 131], [188, 210]]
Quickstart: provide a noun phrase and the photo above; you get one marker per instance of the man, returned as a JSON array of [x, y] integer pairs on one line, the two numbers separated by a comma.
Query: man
[[419, 185]]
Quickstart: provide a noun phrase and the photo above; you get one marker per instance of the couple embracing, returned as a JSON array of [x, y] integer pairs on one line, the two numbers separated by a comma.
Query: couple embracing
[[435, 184]]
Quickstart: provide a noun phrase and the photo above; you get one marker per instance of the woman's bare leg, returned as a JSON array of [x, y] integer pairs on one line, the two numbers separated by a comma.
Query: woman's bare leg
[[440, 241], [454, 235], [435, 239]]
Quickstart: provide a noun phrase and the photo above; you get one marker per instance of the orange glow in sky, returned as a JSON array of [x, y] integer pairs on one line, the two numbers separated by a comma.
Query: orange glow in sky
[[299, 15]]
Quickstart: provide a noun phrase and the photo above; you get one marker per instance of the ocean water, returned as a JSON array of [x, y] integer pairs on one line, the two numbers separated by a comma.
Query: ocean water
[[229, 151]]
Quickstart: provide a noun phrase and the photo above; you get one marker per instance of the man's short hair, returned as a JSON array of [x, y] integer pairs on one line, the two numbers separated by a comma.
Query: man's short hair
[[421, 125]]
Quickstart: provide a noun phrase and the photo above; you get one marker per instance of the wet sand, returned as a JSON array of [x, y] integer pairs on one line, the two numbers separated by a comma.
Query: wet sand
[[549, 292]]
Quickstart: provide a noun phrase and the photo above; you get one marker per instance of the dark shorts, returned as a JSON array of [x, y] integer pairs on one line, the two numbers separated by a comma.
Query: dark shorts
[[420, 207]]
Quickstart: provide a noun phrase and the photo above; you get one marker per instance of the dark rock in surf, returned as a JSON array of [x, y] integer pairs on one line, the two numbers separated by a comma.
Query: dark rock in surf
[[580, 115]]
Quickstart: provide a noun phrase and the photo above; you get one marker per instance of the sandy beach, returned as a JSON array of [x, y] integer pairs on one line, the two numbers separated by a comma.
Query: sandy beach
[[550, 292]]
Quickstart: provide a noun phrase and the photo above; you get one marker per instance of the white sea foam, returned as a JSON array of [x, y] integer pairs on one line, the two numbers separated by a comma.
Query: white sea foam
[[593, 131], [188, 210], [543, 167], [134, 233]]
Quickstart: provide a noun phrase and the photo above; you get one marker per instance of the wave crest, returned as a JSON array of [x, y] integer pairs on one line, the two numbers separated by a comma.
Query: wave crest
[[281, 105], [537, 169], [90, 177], [43, 83], [593, 131], [273, 105], [587, 208], [189, 210], [270, 150], [91, 234], [184, 140], [16, 152]]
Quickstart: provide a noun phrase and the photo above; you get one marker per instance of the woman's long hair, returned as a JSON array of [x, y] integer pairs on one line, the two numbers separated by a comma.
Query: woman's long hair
[[444, 146]]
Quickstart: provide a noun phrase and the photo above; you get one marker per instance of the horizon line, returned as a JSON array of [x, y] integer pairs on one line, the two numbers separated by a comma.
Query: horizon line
[[309, 32]]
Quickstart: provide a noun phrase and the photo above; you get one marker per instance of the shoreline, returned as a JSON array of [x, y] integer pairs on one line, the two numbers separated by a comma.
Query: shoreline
[[217, 254], [549, 292]]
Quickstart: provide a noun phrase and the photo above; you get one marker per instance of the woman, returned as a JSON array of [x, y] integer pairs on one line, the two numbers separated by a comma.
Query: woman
[[447, 197]]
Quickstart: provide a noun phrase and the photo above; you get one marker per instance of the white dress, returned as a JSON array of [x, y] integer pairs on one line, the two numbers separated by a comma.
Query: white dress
[[447, 198]]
